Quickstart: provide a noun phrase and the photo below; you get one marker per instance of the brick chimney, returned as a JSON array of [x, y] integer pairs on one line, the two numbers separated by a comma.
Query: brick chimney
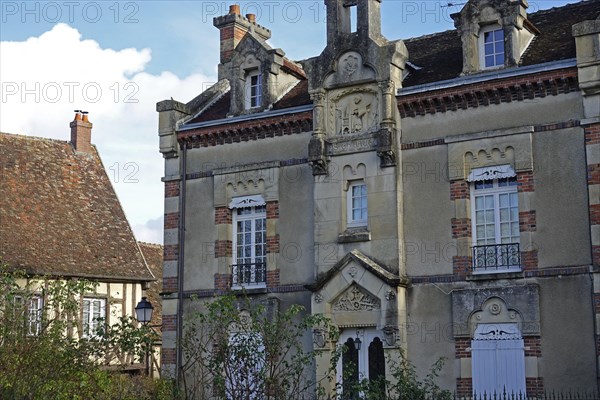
[[234, 27], [81, 132]]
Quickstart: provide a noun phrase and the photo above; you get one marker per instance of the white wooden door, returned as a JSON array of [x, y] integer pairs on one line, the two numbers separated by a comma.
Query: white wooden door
[[498, 359]]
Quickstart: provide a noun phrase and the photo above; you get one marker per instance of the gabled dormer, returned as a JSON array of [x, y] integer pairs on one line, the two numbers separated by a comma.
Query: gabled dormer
[[494, 33], [258, 75]]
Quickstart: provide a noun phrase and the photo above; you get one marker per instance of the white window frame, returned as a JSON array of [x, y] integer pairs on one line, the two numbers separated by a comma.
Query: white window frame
[[253, 209], [495, 192], [482, 47], [91, 322], [34, 314], [350, 205], [498, 360], [253, 101]]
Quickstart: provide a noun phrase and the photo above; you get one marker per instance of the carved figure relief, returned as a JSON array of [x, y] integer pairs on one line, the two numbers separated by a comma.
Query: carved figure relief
[[355, 299], [356, 112]]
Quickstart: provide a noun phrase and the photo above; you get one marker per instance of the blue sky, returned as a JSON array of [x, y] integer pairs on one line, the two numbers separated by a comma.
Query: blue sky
[[119, 58]]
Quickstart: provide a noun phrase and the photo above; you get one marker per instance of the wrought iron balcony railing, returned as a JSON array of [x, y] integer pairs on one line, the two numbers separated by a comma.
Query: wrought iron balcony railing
[[249, 274], [496, 257]]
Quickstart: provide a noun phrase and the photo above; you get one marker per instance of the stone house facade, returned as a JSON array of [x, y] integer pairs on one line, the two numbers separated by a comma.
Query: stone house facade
[[439, 195]]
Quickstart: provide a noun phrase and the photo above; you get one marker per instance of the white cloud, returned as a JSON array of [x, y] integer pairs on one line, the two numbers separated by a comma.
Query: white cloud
[[43, 79]]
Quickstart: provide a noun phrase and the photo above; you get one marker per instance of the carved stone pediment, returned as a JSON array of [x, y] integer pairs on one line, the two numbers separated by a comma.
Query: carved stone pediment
[[356, 298]]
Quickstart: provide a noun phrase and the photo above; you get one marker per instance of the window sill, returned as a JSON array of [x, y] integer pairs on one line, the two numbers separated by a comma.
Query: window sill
[[501, 274], [251, 289], [352, 235]]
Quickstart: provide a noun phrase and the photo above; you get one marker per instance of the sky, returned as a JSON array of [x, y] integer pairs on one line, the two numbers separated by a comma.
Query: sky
[[117, 59]]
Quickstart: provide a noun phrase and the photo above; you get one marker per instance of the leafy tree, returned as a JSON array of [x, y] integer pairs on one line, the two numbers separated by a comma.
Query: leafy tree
[[238, 349], [242, 349], [42, 355]]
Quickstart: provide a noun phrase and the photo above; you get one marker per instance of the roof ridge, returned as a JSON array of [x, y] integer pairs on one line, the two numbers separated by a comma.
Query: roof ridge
[[40, 138], [552, 9]]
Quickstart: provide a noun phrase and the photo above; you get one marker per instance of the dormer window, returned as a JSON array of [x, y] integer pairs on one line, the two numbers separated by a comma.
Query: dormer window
[[492, 47], [253, 89]]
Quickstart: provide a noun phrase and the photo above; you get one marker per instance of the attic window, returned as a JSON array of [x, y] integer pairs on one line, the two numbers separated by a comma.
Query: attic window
[[253, 89], [491, 47]]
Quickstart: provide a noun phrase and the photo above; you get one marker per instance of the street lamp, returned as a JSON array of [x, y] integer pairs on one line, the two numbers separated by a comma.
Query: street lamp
[[143, 313]]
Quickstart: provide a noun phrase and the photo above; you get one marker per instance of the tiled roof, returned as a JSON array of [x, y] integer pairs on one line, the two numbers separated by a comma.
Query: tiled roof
[[153, 253], [59, 214]]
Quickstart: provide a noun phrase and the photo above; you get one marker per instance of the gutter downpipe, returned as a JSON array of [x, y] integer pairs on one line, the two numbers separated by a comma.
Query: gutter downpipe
[[180, 265]]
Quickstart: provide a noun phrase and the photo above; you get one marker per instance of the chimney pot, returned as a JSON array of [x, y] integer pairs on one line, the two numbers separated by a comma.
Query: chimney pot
[[234, 9], [251, 17]]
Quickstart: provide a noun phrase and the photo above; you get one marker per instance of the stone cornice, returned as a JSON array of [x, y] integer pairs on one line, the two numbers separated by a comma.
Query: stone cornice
[[243, 131], [517, 88]]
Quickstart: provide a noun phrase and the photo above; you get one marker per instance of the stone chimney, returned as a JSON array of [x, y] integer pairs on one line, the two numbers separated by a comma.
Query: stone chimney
[[81, 132], [234, 27]]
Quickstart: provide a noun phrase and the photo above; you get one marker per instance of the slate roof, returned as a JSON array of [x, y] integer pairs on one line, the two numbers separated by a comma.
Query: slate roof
[[439, 56], [153, 254], [60, 216]]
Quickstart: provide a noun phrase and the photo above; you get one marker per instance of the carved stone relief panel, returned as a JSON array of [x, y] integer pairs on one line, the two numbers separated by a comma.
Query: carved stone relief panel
[[356, 299], [353, 111]]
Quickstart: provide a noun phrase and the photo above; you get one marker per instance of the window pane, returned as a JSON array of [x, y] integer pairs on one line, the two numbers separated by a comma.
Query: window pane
[[489, 202], [479, 202], [505, 229], [514, 214], [515, 232], [489, 61], [481, 232], [499, 35], [500, 59], [479, 217]]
